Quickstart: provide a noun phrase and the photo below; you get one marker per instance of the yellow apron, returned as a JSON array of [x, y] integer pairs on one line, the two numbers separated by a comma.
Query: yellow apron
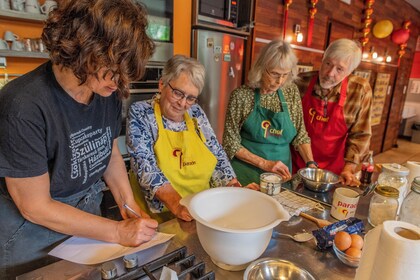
[[183, 157]]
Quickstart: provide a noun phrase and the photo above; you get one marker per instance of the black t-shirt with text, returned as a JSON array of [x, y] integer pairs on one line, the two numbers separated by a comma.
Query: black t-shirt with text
[[43, 129]]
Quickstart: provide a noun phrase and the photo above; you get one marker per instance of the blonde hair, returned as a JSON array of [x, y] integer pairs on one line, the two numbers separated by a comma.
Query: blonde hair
[[276, 54]]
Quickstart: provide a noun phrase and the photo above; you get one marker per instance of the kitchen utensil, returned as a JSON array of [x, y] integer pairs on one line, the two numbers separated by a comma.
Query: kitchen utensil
[[369, 189], [317, 179], [348, 260], [234, 225], [273, 268], [320, 222], [298, 237]]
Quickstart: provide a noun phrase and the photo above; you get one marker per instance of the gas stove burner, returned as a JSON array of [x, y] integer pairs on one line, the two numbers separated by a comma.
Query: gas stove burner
[[177, 260], [127, 268]]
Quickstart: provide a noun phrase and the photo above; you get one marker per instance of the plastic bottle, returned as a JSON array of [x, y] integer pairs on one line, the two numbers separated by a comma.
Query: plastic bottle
[[410, 208]]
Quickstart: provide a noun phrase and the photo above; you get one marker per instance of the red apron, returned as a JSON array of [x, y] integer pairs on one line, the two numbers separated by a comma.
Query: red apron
[[327, 129]]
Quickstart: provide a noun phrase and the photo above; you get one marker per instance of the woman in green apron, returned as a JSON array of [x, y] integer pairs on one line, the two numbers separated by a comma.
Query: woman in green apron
[[265, 116]]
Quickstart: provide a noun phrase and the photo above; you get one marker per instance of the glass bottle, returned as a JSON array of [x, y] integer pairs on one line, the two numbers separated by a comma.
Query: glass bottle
[[383, 205], [410, 208], [367, 171], [395, 175]]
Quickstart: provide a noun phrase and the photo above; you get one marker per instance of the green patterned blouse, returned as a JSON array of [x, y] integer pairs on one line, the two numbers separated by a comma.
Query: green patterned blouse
[[241, 104]]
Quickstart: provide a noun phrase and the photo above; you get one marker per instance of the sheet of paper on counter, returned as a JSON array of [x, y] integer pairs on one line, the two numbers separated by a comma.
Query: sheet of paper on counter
[[90, 251]]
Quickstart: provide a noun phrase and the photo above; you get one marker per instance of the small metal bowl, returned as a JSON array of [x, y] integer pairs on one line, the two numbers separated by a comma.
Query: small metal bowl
[[318, 180], [275, 269]]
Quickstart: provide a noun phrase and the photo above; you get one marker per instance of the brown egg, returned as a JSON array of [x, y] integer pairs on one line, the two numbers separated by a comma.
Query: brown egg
[[356, 241], [354, 252], [342, 240]]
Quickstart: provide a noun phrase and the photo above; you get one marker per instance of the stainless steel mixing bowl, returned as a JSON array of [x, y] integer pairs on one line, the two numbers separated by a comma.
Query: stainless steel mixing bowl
[[318, 180], [275, 269]]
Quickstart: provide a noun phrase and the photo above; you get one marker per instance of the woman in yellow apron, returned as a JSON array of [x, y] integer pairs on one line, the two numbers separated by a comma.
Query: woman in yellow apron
[[265, 116], [174, 149]]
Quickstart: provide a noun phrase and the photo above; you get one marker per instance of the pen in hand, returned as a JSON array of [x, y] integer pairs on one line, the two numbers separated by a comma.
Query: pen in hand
[[131, 210]]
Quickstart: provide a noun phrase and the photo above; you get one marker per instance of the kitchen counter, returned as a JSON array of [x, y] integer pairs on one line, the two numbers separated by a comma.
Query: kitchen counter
[[321, 264]]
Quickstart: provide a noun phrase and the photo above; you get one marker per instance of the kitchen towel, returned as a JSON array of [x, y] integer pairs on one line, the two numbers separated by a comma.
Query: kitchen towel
[[414, 167], [391, 251]]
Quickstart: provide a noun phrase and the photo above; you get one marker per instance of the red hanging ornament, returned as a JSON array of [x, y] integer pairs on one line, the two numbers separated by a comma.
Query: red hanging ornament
[[401, 37], [287, 3], [312, 12]]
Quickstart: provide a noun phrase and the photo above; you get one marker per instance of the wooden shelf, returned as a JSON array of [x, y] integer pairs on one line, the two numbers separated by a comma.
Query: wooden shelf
[[7, 53], [10, 14]]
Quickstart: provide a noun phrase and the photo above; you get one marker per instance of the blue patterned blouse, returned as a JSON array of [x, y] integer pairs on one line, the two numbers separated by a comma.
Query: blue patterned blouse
[[142, 134]]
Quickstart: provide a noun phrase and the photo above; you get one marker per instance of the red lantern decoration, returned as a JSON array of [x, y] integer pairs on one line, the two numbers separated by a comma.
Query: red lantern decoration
[[287, 3], [401, 37], [312, 12]]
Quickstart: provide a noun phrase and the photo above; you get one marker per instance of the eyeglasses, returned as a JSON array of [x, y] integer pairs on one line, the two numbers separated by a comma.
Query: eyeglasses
[[277, 76], [114, 76], [179, 95]]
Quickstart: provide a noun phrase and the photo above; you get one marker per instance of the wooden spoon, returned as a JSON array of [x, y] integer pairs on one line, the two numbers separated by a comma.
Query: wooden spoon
[[319, 222]]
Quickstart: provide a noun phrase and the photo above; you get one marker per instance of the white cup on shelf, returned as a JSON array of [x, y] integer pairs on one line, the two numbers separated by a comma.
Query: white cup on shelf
[[18, 46], [48, 6], [32, 6], [4, 5], [3, 45], [10, 36], [18, 5]]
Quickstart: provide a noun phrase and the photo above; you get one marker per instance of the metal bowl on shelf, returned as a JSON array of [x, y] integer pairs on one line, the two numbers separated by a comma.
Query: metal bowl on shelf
[[274, 269], [317, 179]]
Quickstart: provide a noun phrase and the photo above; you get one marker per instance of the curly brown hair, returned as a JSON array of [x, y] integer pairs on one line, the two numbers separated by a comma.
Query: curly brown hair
[[87, 35]]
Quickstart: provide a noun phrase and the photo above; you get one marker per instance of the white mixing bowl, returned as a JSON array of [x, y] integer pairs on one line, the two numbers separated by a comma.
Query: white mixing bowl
[[234, 225]]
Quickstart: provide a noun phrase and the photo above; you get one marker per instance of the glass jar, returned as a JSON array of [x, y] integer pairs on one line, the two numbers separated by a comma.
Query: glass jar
[[383, 205], [410, 208], [395, 175]]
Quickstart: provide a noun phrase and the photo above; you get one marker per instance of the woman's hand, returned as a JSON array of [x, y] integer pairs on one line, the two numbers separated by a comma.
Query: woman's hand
[[277, 167], [133, 232], [127, 214], [182, 213], [170, 197], [253, 186]]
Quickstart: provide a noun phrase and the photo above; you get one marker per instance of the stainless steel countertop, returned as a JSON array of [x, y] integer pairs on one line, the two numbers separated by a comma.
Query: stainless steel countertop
[[321, 264]]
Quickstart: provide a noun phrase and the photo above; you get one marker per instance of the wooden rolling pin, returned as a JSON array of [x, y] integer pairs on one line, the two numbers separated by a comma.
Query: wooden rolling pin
[[319, 222]]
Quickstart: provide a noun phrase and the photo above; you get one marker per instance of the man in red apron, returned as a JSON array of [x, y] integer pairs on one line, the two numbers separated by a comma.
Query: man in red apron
[[337, 108]]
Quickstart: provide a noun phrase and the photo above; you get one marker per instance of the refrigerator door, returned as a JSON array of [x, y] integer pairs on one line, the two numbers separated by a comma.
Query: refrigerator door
[[222, 55]]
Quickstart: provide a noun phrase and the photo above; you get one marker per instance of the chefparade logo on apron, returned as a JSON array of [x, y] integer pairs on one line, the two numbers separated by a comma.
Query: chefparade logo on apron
[[314, 115], [266, 125], [178, 153]]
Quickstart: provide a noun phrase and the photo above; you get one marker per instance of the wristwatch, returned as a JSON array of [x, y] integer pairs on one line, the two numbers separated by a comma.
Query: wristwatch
[[311, 162]]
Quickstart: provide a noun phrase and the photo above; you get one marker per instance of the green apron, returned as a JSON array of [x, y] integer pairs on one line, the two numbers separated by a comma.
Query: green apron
[[266, 134]]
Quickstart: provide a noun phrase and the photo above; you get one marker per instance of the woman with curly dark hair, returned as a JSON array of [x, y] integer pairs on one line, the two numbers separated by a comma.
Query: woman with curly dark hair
[[58, 130]]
